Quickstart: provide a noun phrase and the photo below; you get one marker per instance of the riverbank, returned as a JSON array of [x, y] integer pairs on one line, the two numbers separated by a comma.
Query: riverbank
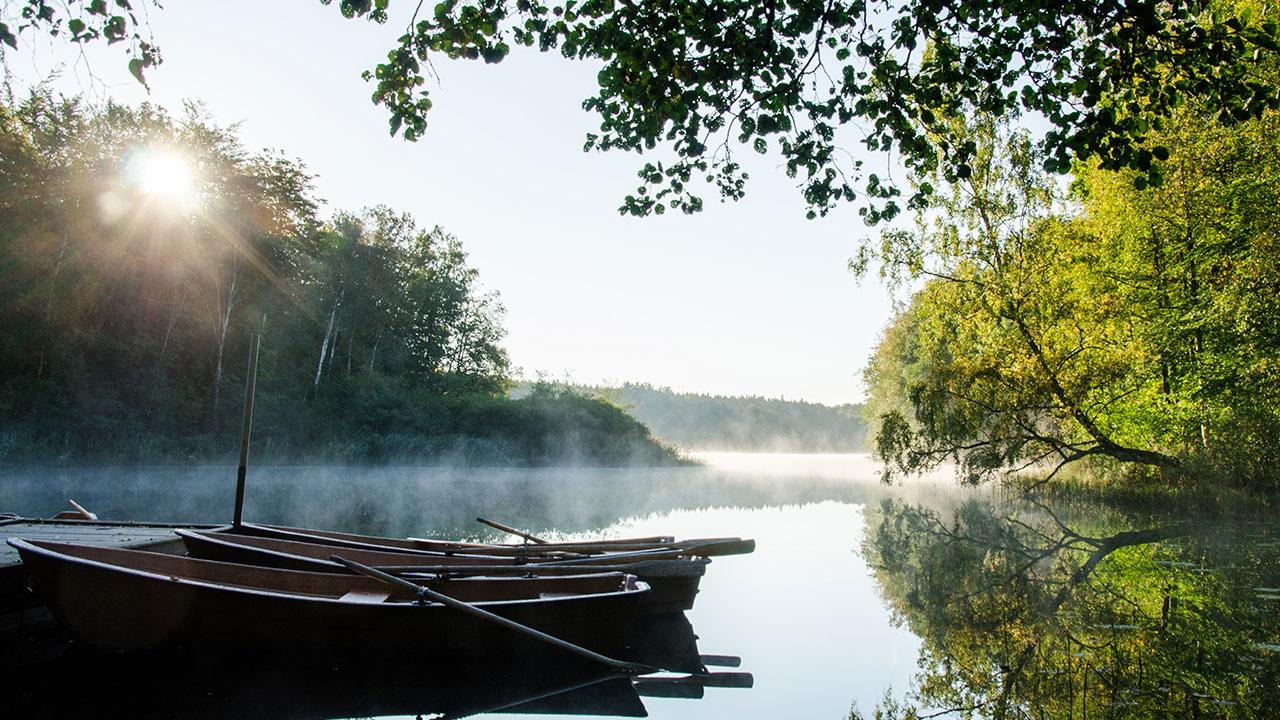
[[1209, 496], [356, 428]]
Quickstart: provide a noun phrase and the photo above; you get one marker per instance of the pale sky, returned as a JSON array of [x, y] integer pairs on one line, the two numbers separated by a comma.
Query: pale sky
[[746, 298]]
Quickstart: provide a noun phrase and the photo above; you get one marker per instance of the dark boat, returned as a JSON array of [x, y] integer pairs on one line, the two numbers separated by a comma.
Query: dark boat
[[128, 599], [673, 581]]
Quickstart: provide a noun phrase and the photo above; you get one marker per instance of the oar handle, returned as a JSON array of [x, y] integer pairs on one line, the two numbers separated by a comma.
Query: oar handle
[[425, 593], [81, 509], [508, 529], [732, 546]]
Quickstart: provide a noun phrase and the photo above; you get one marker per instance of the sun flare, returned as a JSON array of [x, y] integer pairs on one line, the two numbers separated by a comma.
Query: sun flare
[[164, 174]]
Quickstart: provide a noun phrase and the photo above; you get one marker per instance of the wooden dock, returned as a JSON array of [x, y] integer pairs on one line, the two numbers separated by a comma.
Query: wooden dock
[[14, 598], [84, 532]]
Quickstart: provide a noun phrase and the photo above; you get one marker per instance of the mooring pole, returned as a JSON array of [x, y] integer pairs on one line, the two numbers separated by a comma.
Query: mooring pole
[[250, 381]]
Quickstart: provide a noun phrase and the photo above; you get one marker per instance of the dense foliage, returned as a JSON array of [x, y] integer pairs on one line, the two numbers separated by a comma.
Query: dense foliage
[[1131, 324], [127, 300], [745, 423], [705, 78]]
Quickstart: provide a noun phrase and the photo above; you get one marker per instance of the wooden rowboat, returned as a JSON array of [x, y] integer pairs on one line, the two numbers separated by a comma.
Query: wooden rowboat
[[128, 599], [673, 580], [702, 547]]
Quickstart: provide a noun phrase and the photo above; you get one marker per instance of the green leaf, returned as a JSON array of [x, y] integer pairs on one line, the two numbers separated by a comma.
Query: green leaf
[[114, 29], [136, 66]]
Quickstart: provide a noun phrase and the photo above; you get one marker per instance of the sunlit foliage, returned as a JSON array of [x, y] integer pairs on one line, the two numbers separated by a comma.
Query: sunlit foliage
[[138, 254], [1136, 325]]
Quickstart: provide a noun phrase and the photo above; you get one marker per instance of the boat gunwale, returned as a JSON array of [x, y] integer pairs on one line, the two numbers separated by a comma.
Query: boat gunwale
[[303, 535]]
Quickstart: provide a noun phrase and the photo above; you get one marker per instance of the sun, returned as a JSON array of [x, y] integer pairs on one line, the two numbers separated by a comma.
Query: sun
[[164, 174]]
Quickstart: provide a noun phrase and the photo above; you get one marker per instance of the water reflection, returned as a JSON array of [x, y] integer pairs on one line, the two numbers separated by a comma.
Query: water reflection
[[1026, 611], [79, 683], [953, 601]]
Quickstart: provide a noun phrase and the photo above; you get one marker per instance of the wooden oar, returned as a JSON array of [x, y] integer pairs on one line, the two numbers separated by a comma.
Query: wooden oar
[[722, 660], [690, 686], [703, 546], [659, 568], [518, 533], [681, 688], [424, 593], [80, 509], [706, 549], [717, 546], [727, 680]]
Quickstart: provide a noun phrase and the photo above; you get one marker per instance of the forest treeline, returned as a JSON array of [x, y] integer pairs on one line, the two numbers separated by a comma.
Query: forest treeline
[[1125, 329], [127, 305], [744, 423]]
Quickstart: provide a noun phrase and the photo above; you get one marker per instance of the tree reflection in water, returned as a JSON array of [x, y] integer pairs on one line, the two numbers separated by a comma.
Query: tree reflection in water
[[1028, 613]]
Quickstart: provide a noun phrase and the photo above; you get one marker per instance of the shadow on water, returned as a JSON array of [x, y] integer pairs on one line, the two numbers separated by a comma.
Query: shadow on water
[[189, 686], [75, 682], [1071, 612]]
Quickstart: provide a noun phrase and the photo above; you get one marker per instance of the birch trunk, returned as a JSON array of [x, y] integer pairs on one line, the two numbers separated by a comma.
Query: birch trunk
[[48, 305], [223, 327], [328, 334]]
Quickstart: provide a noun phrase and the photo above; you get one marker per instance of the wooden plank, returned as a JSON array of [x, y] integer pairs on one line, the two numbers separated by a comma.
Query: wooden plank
[[83, 532]]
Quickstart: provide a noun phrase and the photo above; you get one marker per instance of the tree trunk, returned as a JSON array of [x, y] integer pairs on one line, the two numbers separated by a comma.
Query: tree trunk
[[48, 305], [223, 327], [1105, 547], [328, 334], [373, 354], [1106, 446], [351, 344], [179, 296]]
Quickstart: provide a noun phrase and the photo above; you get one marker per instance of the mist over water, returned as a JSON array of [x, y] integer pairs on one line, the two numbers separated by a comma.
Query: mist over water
[[445, 500]]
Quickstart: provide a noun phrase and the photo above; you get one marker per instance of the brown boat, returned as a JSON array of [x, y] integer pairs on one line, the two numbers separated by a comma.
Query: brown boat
[[673, 580], [128, 599], [701, 547]]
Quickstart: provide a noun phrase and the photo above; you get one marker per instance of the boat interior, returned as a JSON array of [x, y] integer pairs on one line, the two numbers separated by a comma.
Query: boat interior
[[350, 588]]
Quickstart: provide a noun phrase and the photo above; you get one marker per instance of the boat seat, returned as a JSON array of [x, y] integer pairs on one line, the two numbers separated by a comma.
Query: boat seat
[[365, 596]]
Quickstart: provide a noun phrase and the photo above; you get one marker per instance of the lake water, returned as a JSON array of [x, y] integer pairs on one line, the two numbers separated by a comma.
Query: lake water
[[929, 596]]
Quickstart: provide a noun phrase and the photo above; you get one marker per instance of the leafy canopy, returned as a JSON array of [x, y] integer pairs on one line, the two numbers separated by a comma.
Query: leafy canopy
[[1134, 325], [85, 21], [701, 79]]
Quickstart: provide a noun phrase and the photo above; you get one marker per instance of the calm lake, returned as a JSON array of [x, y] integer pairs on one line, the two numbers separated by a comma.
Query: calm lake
[[957, 602]]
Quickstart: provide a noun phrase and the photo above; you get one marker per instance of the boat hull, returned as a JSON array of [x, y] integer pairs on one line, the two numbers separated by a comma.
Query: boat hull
[[111, 608]]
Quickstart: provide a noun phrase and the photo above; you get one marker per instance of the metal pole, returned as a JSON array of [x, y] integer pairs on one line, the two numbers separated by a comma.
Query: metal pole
[[250, 382]]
